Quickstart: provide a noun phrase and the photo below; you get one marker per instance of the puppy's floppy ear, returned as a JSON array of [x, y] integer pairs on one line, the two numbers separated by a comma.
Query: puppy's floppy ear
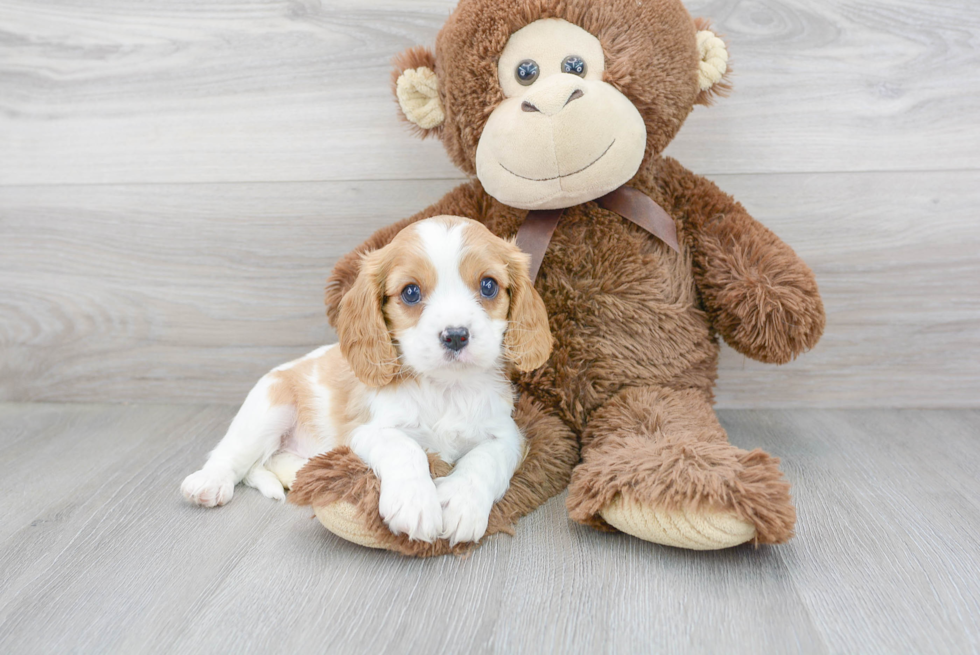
[[416, 86], [364, 337], [713, 65], [528, 338]]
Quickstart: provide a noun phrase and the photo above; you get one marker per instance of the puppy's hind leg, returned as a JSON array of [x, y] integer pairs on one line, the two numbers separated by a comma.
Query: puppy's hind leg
[[285, 466], [266, 482], [255, 434], [275, 475]]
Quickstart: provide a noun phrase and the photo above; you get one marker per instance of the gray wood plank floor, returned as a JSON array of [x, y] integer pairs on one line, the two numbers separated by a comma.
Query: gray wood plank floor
[[98, 553]]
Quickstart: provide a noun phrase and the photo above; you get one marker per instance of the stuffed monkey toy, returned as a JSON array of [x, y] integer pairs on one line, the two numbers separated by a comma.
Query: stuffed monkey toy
[[559, 112]]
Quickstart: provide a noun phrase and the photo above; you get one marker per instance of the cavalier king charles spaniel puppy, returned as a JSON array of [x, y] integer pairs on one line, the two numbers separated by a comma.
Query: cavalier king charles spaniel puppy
[[428, 336]]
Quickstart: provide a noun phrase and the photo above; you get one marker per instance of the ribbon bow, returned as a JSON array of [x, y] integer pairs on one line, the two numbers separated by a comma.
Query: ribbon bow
[[535, 233]]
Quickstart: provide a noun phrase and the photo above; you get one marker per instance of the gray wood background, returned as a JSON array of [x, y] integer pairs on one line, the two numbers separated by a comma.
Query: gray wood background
[[177, 178]]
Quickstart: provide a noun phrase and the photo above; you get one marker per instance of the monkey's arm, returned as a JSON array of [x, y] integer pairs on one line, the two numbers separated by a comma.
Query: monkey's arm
[[759, 294], [465, 200]]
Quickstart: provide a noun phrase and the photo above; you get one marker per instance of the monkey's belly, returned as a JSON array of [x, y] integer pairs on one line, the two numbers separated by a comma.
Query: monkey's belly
[[623, 313]]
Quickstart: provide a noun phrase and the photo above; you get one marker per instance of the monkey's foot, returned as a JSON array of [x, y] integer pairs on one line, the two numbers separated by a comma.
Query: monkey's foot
[[694, 530], [343, 519], [682, 492]]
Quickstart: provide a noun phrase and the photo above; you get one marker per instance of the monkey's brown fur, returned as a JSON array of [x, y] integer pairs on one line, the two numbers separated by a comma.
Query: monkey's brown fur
[[629, 385]]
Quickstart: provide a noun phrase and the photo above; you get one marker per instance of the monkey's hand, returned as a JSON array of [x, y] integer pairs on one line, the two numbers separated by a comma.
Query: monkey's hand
[[761, 297]]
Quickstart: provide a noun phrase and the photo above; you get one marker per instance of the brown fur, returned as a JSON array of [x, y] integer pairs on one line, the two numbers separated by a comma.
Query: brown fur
[[650, 48], [292, 387], [667, 449], [364, 337], [527, 341], [635, 324]]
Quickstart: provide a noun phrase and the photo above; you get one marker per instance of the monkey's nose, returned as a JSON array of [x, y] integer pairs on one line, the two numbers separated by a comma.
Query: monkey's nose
[[551, 100], [455, 338]]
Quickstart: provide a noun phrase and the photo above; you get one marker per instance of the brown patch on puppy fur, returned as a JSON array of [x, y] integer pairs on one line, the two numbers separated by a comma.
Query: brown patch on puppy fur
[[363, 334], [462, 203], [374, 310], [296, 386], [528, 339], [483, 257], [406, 264]]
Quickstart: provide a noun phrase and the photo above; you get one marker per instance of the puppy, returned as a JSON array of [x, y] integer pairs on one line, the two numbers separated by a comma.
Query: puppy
[[427, 338]]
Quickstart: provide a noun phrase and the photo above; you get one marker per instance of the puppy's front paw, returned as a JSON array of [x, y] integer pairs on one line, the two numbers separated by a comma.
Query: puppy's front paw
[[208, 488], [411, 507], [465, 509]]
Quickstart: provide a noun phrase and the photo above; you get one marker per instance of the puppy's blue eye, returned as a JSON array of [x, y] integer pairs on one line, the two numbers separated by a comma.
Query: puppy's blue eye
[[527, 72], [489, 288], [411, 294], [574, 65]]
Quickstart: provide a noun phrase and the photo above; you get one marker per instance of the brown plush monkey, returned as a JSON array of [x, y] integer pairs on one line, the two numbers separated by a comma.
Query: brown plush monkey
[[555, 105]]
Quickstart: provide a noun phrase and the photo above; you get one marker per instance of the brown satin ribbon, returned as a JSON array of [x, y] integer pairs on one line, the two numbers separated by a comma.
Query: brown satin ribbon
[[534, 235], [535, 232]]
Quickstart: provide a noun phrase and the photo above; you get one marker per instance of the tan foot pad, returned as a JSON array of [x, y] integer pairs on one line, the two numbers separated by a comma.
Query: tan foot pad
[[340, 519], [705, 530]]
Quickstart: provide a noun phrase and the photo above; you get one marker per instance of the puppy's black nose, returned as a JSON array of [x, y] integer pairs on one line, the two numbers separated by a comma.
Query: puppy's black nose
[[455, 338]]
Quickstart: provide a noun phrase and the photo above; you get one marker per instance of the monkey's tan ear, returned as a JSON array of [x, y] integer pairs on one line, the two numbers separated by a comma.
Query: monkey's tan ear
[[417, 89], [713, 67]]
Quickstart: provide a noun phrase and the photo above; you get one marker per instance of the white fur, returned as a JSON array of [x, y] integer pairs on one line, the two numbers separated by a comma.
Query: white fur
[[452, 304], [459, 406]]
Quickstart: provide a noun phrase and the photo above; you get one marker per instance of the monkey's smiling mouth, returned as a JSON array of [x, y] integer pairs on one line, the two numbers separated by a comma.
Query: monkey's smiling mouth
[[557, 177]]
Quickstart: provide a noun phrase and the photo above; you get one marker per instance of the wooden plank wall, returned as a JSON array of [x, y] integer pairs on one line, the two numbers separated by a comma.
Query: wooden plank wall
[[176, 180]]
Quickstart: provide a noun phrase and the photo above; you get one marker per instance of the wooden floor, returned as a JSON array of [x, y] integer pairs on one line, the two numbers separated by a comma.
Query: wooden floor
[[99, 553]]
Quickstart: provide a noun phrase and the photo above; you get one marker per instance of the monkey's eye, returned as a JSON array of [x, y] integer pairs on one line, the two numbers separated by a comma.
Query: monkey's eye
[[411, 294], [489, 288], [574, 65], [527, 72]]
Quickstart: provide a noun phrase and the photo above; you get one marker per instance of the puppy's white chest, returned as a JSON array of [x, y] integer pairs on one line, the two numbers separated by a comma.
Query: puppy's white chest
[[448, 419], [451, 434]]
